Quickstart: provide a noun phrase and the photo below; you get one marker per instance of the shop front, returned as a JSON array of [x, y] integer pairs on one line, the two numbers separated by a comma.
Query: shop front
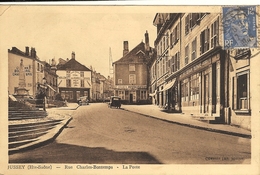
[[132, 94], [73, 94], [201, 86]]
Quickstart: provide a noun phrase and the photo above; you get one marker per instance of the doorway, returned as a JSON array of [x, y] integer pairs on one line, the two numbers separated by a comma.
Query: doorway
[[206, 93], [131, 98]]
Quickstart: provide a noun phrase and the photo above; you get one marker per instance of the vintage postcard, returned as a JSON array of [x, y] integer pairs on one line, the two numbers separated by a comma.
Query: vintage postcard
[[129, 89]]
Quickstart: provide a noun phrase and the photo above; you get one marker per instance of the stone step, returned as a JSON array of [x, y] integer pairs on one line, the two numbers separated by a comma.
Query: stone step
[[22, 118], [12, 145], [203, 117], [30, 130], [31, 126], [28, 136]]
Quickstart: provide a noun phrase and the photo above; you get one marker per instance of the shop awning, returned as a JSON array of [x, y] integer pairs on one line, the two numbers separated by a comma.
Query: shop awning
[[51, 88], [169, 85], [153, 94]]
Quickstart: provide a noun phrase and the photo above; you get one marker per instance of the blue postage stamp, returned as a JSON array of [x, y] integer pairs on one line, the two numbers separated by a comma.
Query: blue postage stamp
[[239, 24]]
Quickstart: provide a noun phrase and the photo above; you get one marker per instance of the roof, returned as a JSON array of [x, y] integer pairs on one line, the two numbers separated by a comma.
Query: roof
[[131, 55], [17, 51], [73, 65]]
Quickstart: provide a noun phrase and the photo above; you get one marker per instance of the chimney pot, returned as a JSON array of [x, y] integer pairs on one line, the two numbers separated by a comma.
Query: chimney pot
[[126, 50], [27, 51], [73, 55]]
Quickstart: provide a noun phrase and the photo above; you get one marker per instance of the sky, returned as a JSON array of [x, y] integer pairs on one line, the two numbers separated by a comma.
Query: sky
[[89, 31]]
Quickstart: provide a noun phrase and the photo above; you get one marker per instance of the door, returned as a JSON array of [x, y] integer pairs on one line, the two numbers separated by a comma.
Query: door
[[131, 98], [206, 93]]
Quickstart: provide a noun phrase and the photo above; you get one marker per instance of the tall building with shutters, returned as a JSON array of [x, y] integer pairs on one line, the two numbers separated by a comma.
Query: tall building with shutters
[[190, 66], [195, 74]]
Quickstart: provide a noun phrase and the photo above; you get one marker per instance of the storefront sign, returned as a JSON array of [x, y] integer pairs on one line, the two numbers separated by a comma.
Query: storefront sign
[[130, 87], [75, 83]]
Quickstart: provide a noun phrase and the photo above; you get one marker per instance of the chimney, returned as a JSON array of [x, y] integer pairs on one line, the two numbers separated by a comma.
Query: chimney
[[27, 51], [126, 50], [33, 52], [73, 55], [147, 46]]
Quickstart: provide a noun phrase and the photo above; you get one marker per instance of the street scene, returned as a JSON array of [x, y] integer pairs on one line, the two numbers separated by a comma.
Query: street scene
[[117, 136], [158, 87]]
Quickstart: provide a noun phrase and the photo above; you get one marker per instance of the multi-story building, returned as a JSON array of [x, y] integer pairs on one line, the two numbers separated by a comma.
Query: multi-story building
[[195, 74], [25, 70], [74, 79], [51, 79], [108, 88], [131, 73], [167, 45], [95, 86], [191, 64]]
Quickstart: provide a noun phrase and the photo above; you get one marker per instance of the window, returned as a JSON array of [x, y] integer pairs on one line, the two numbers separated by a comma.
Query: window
[[163, 44], [187, 24], [68, 83], [241, 91], [177, 61], [194, 87], [167, 41], [38, 66], [81, 83], [184, 90], [131, 67], [186, 54], [194, 48], [163, 65], [174, 64], [143, 95], [132, 79], [214, 34], [160, 48], [68, 74], [121, 94], [158, 68], [41, 68], [161, 72], [171, 39], [81, 74], [120, 81], [177, 33], [204, 41]]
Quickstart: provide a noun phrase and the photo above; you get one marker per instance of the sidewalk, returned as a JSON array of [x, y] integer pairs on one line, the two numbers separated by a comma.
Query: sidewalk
[[70, 106], [186, 120]]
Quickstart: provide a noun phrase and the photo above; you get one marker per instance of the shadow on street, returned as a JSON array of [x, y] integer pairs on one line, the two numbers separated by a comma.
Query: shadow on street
[[64, 153]]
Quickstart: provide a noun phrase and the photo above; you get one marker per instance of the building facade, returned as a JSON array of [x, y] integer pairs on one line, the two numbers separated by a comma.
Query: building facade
[[190, 64], [51, 79], [131, 73], [74, 79], [26, 68], [196, 75]]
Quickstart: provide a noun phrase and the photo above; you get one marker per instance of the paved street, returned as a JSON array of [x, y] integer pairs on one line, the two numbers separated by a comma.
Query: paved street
[[98, 134]]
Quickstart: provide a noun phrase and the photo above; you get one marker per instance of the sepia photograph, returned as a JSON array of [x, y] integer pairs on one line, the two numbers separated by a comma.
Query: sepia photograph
[[129, 89]]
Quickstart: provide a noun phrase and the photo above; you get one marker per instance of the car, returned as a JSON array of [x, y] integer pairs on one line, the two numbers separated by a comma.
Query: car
[[115, 102], [83, 100]]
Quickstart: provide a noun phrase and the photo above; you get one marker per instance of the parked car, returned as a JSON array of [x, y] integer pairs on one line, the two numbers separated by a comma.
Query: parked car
[[115, 102], [83, 100]]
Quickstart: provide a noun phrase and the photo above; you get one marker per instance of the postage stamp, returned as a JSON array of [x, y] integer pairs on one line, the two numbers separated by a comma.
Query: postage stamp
[[240, 28]]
